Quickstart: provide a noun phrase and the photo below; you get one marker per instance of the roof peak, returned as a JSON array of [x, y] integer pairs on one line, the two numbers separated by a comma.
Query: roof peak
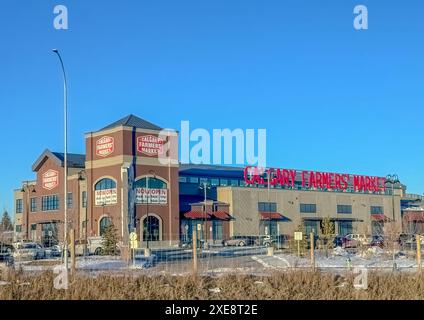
[[132, 120]]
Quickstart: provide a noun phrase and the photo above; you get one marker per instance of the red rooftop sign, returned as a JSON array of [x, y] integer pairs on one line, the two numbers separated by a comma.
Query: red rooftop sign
[[50, 179], [313, 179], [105, 146], [150, 145]]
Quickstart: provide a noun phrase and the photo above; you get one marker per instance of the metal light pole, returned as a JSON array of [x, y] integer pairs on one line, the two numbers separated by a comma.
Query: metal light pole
[[205, 187], [147, 206], [25, 189], [393, 179], [65, 108]]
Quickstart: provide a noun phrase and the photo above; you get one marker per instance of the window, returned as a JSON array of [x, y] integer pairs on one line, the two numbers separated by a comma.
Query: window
[[50, 203], [84, 199], [344, 209], [70, 200], [193, 180], [267, 207], [18, 228], [182, 179], [151, 182], [242, 183], [33, 227], [308, 208], [104, 223], [310, 226], [224, 182], [234, 183], [19, 206], [345, 228], [214, 182], [33, 205], [105, 184], [377, 210], [203, 180]]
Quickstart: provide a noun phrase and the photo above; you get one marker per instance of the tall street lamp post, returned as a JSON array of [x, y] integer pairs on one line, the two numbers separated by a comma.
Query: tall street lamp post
[[393, 179], [204, 186], [153, 173], [26, 189], [65, 109]]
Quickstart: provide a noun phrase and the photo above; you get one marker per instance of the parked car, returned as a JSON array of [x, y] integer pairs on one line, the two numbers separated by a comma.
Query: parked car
[[6, 248], [239, 241], [54, 251], [29, 250], [93, 246], [410, 242], [338, 241], [280, 242], [354, 240], [377, 241], [6, 259]]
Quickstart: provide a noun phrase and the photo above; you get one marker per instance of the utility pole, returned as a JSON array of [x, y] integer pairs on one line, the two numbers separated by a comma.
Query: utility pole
[[65, 109]]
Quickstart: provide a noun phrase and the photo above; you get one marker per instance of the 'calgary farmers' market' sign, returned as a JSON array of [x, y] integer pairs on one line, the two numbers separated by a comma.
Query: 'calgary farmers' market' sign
[[151, 196], [313, 179], [150, 145], [106, 197], [105, 146], [50, 179]]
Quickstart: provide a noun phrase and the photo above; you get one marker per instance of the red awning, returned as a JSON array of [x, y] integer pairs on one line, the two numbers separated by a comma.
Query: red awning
[[380, 217], [221, 215], [271, 216], [196, 215], [414, 216]]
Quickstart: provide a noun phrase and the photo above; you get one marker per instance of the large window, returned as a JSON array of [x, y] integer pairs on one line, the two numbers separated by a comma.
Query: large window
[[18, 205], [267, 207], [33, 205], [182, 179], [105, 184], [214, 182], [153, 183], [18, 228], [193, 180], [50, 203], [377, 210], [308, 208], [344, 209]]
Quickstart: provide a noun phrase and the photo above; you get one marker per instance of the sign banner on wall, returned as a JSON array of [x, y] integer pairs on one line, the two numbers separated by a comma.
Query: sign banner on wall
[[105, 146], [50, 179], [154, 196], [106, 197], [150, 145]]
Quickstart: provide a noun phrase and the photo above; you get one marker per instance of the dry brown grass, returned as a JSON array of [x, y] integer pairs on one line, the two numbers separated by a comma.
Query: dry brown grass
[[294, 285]]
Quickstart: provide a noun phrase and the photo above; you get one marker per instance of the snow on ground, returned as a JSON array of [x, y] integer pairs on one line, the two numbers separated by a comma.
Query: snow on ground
[[339, 258]]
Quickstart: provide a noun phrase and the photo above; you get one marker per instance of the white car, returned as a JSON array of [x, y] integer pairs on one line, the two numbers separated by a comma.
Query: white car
[[29, 251]]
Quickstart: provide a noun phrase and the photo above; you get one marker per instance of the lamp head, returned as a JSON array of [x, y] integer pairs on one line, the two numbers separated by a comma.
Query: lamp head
[[55, 51]]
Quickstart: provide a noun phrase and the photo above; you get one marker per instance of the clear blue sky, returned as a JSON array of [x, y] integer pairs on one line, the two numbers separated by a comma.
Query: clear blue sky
[[331, 98]]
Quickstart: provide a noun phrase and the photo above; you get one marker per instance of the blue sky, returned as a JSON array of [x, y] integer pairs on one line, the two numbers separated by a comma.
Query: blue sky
[[331, 98]]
